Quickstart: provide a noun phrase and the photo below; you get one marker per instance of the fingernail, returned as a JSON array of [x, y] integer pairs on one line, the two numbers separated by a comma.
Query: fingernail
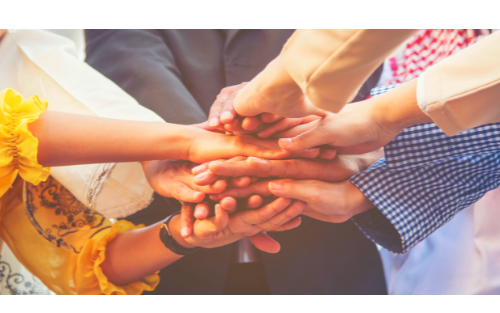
[[226, 115], [201, 176], [285, 142], [214, 122], [275, 186], [185, 232], [197, 168]]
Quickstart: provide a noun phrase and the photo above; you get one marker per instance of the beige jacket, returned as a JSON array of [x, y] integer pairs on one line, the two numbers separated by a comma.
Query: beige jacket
[[331, 65], [458, 93], [463, 91]]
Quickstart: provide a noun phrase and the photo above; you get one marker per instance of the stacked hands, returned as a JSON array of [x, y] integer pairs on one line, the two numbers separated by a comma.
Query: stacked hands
[[281, 163]]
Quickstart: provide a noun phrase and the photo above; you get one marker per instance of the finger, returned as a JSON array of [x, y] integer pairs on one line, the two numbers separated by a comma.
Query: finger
[[270, 117], [304, 190], [187, 220], [254, 201], [294, 210], [201, 211], [217, 187], [183, 193], [284, 124], [293, 168], [234, 125], [221, 218], [294, 223], [327, 154], [295, 131], [251, 123], [214, 197], [265, 152], [215, 111], [228, 114], [229, 204], [233, 169], [266, 212], [199, 169], [259, 188], [311, 153], [311, 138], [205, 178], [240, 182], [264, 242]]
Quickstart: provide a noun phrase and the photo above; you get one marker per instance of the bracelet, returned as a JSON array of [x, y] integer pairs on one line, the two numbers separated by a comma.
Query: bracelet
[[169, 241]]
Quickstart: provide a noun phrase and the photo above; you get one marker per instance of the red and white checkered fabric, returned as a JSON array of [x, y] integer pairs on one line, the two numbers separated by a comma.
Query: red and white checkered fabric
[[428, 47]]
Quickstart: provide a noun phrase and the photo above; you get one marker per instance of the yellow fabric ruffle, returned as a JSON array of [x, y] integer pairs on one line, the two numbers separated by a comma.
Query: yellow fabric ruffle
[[89, 274], [18, 147]]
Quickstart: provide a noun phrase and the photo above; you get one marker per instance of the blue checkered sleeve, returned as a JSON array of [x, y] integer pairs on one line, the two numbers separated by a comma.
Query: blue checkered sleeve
[[416, 195]]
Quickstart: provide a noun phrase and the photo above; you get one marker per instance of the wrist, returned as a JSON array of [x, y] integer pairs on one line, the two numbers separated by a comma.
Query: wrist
[[177, 141], [174, 226], [275, 83], [398, 108]]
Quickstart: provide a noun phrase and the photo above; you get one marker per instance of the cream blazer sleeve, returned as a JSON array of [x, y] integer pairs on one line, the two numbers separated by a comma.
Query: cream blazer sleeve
[[463, 91], [331, 65], [51, 66]]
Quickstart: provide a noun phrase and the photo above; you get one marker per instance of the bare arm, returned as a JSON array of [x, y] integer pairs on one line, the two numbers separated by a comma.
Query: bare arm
[[138, 253], [68, 139]]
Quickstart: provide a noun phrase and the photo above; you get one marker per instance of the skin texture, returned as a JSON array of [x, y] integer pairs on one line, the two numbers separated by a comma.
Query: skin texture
[[68, 139], [135, 254], [326, 201], [312, 177], [364, 126], [274, 91]]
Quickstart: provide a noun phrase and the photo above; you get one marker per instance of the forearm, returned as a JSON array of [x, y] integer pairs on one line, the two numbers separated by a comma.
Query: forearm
[[135, 254], [67, 139], [398, 108]]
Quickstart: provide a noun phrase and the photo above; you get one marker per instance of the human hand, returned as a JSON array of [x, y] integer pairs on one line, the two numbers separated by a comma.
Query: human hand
[[207, 146], [279, 215], [363, 126], [223, 117], [174, 179], [274, 91], [333, 202], [338, 169]]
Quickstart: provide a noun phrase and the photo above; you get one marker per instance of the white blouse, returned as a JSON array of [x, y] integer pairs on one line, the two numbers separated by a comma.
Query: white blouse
[[51, 66]]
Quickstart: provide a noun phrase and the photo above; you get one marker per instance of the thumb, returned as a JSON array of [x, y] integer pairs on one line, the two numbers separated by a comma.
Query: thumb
[[314, 137], [264, 242], [293, 189]]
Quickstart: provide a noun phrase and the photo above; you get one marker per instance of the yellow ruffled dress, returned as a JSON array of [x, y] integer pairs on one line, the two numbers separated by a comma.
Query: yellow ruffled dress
[[51, 233]]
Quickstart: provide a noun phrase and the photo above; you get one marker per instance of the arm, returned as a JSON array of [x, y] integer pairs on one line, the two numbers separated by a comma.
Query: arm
[[66, 139], [135, 254], [318, 70], [78, 251], [462, 91]]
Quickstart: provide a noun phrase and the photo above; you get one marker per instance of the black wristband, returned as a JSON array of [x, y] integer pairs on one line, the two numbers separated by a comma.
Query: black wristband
[[170, 242]]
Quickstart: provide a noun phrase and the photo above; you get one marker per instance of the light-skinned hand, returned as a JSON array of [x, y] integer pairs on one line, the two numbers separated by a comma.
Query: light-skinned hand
[[279, 215], [363, 126], [244, 169], [174, 179], [333, 202], [284, 99]]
